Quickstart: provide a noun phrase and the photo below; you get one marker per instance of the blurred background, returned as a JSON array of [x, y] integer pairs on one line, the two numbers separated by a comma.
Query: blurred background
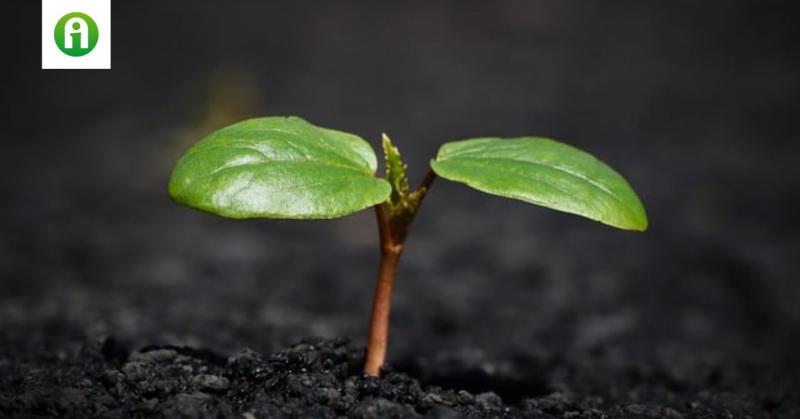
[[696, 103]]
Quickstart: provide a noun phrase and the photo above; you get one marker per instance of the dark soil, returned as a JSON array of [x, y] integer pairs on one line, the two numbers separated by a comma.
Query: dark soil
[[322, 379]]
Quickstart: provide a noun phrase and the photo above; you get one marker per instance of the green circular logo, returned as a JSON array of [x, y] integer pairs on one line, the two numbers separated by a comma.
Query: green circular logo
[[76, 34]]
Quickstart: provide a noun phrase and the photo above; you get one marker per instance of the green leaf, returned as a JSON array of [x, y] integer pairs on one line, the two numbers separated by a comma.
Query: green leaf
[[543, 172], [278, 167]]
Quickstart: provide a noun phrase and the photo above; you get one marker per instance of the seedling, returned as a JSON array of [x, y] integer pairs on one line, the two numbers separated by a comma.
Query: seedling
[[285, 167]]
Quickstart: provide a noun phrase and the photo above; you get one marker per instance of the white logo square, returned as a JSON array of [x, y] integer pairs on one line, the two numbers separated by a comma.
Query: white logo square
[[76, 34]]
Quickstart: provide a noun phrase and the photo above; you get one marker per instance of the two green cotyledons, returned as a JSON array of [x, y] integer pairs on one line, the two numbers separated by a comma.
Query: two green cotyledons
[[285, 167]]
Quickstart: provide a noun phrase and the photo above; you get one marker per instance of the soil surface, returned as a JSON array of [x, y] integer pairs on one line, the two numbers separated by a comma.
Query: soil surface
[[322, 379]]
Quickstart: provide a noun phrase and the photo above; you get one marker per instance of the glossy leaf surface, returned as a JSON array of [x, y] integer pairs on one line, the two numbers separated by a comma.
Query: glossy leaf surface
[[278, 167], [543, 172]]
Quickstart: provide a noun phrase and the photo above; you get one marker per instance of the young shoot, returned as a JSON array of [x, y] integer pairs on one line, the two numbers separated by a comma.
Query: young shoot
[[285, 167]]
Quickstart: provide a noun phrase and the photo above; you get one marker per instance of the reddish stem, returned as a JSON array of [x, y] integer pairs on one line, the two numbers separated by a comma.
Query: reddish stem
[[392, 235], [382, 301]]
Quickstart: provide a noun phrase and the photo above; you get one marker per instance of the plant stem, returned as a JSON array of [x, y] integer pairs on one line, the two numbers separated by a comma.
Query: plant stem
[[392, 233], [427, 181], [382, 301]]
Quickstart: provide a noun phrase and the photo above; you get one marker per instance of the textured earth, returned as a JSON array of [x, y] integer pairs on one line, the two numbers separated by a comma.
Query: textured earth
[[322, 379]]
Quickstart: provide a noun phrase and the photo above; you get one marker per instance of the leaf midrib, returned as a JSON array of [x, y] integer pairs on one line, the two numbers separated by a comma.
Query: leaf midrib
[[270, 161]]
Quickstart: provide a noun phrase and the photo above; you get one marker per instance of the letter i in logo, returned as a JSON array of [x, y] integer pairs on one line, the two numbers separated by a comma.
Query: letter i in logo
[[76, 34]]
